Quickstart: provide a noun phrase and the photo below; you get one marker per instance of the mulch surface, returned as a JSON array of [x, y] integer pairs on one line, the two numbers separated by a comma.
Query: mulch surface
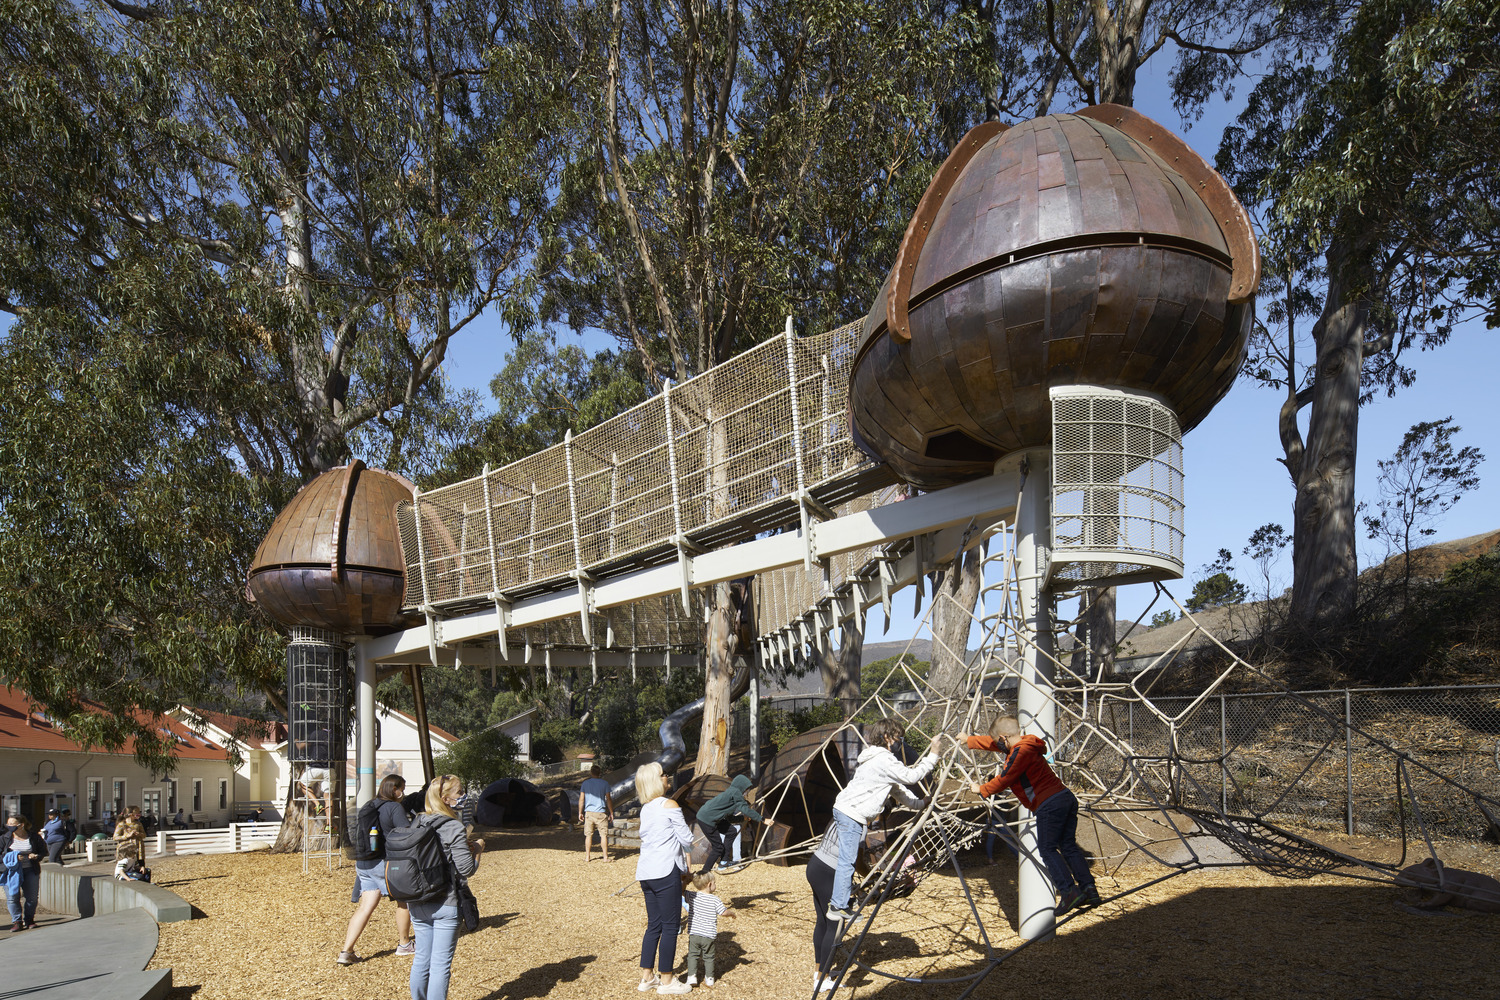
[[553, 927]]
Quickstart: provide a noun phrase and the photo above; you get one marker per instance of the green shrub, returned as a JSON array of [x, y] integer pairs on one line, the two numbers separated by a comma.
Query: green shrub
[[550, 740], [482, 758]]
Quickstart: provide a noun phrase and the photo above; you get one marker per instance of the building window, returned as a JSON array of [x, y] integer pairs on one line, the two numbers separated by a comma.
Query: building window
[[95, 786], [117, 800], [172, 796], [223, 794], [197, 795]]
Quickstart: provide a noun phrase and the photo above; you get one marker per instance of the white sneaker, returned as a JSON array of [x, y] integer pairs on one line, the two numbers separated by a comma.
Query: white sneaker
[[826, 986], [709, 981], [692, 980], [675, 989], [648, 984]]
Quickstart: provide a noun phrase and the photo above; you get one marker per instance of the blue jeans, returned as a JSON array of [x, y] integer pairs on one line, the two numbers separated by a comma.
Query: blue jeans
[[663, 919], [851, 835], [436, 930], [30, 882], [1056, 841]]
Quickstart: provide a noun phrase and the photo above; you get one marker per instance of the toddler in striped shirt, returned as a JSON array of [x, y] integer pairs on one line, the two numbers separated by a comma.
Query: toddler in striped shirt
[[703, 926]]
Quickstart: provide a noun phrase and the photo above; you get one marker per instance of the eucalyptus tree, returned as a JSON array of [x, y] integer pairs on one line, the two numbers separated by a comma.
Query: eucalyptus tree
[[745, 160], [238, 242], [1377, 173]]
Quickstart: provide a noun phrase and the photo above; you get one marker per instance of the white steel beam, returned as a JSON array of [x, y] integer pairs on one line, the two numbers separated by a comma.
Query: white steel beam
[[946, 511]]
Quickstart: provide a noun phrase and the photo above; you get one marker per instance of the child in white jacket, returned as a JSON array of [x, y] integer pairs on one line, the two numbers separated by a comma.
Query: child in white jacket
[[878, 776]]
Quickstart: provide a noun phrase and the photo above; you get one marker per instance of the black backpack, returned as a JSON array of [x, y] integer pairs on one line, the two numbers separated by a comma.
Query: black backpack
[[416, 869], [365, 847]]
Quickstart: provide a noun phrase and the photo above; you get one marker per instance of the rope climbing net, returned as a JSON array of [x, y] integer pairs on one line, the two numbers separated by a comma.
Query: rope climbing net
[[1168, 786]]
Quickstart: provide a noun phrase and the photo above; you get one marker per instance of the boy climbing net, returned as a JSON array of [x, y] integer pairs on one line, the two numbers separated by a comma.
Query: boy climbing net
[[1027, 774]]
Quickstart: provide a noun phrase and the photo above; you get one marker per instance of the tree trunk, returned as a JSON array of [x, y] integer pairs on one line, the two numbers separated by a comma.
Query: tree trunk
[[840, 669], [1096, 634], [1324, 565], [721, 647], [952, 619]]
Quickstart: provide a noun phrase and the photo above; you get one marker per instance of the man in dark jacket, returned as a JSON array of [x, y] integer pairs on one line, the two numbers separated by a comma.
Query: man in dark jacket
[[718, 813]]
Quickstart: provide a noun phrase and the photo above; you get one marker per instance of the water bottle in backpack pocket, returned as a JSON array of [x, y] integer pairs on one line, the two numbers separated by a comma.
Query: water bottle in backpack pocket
[[416, 869], [364, 839]]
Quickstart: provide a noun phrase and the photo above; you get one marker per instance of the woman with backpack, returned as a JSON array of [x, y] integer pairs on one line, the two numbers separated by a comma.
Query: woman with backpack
[[436, 919], [369, 879]]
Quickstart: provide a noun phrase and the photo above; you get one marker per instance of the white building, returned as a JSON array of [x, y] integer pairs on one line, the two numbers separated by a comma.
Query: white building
[[42, 769]]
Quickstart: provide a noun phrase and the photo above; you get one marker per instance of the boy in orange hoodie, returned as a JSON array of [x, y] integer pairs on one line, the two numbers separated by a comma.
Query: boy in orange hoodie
[[1027, 774]]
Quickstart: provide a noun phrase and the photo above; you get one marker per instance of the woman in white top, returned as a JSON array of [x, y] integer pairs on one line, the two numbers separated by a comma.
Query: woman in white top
[[664, 837]]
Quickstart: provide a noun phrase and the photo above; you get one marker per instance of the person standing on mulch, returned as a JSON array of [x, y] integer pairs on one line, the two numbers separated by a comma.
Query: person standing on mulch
[[664, 838], [596, 811], [436, 921], [1028, 776], [703, 927], [369, 876], [820, 874], [718, 813]]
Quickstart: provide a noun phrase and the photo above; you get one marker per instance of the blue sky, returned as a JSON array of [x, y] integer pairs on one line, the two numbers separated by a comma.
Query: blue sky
[[1234, 481]]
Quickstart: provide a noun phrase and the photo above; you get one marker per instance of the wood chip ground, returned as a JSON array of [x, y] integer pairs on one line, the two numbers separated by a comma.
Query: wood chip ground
[[554, 927]]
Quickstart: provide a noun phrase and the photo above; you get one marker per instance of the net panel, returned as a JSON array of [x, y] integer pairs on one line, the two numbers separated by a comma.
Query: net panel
[[718, 452]]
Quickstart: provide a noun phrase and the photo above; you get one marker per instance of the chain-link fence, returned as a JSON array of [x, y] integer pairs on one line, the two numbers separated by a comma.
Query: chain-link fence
[[1359, 760]]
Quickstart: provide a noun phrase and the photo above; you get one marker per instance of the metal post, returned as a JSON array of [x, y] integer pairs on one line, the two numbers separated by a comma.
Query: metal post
[[678, 537], [1348, 764], [755, 715], [791, 377], [364, 711], [424, 735], [1223, 754], [1036, 709]]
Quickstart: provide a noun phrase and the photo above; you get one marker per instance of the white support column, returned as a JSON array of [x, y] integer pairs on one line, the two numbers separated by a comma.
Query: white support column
[[1036, 711], [757, 653], [364, 714]]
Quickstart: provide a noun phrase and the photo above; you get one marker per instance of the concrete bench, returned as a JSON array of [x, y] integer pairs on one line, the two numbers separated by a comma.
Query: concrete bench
[[87, 894]]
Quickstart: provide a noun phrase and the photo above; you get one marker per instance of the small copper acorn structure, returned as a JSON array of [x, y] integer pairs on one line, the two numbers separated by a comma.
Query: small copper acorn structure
[[1087, 249], [332, 559]]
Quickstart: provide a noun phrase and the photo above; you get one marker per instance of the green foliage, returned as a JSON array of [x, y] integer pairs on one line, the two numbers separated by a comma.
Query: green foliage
[[236, 245], [1161, 618], [1217, 587], [1420, 483], [551, 740], [781, 725], [1264, 545], [457, 700], [482, 758], [872, 675]]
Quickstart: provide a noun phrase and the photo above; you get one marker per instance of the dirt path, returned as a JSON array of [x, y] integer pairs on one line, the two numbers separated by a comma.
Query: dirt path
[[555, 928]]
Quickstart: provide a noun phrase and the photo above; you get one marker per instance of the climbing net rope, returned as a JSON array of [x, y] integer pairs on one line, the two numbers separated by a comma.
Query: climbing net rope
[[1158, 778]]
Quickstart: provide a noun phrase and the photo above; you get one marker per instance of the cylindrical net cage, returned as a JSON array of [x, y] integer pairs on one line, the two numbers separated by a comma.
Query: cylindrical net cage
[[317, 699], [1117, 508]]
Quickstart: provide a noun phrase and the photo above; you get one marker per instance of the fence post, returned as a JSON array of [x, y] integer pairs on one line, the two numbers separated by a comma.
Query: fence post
[[1348, 764], [89, 851], [234, 838], [1223, 754]]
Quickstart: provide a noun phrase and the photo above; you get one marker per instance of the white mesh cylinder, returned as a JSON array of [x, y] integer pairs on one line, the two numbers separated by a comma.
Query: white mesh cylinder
[[1117, 509]]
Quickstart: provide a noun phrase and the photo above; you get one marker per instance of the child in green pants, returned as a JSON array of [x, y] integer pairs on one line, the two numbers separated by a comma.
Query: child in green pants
[[703, 926]]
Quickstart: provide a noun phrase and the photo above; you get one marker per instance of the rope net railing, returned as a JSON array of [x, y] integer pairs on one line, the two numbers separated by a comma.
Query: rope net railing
[[1179, 781], [736, 451]]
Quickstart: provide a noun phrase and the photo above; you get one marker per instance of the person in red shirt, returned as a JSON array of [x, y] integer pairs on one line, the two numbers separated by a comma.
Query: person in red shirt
[[1027, 774]]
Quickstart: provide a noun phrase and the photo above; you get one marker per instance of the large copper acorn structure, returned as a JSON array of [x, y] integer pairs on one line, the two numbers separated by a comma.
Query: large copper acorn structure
[[332, 559], [1087, 249]]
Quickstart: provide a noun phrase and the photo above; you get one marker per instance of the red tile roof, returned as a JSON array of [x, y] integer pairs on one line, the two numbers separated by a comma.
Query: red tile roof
[[258, 735], [24, 726]]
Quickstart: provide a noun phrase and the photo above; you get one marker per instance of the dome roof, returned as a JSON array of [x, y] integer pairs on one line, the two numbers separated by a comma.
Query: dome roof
[[1093, 248], [333, 557]]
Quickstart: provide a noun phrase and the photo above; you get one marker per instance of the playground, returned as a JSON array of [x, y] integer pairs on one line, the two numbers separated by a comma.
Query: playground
[[553, 927]]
